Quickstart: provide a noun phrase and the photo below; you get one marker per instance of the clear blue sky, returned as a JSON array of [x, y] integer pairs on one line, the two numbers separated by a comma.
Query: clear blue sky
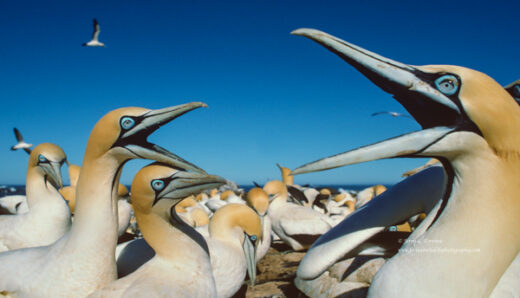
[[273, 97]]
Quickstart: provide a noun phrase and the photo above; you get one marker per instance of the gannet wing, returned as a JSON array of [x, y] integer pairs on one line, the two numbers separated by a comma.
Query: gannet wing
[[18, 135], [95, 35]]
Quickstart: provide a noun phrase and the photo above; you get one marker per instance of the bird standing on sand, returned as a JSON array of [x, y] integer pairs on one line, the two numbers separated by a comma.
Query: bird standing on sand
[[94, 42]]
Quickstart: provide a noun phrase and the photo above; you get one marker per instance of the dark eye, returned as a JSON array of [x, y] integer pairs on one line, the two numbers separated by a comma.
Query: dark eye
[[252, 238], [127, 123], [42, 158], [157, 184], [447, 84]]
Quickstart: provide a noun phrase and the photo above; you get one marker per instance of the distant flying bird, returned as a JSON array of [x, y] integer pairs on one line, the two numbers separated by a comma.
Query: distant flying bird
[[21, 144], [394, 114], [95, 42]]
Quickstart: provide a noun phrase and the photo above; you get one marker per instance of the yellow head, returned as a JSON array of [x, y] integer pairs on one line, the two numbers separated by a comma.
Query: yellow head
[[258, 199]]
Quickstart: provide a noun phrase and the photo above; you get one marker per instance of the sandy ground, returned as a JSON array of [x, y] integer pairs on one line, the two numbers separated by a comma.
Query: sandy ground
[[275, 274]]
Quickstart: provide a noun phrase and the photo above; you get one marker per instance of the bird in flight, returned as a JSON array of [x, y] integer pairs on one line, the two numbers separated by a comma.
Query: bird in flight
[[95, 42], [21, 144], [394, 114]]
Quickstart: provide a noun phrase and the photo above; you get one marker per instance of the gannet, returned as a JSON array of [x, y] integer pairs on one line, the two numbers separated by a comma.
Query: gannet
[[296, 225], [20, 142], [367, 194], [514, 90], [82, 261], [287, 178], [462, 113], [235, 231], [258, 200], [393, 114], [48, 217], [181, 264], [95, 35]]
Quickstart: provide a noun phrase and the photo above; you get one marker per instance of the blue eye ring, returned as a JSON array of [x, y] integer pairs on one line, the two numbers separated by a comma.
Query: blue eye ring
[[157, 184], [447, 84], [392, 229], [253, 238], [42, 158], [127, 123]]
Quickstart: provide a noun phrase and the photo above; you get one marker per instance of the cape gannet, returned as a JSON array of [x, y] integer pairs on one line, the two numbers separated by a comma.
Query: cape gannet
[[94, 42], [20, 142], [181, 266], [48, 216], [82, 261], [258, 200], [462, 113], [296, 225]]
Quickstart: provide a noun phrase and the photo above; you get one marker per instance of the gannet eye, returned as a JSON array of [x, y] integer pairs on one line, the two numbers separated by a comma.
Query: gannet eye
[[252, 238], [392, 229], [447, 84], [157, 185], [42, 158], [127, 123]]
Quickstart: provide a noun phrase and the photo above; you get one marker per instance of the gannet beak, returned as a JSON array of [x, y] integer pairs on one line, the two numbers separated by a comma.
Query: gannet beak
[[134, 139], [182, 184], [439, 113], [53, 173], [250, 253]]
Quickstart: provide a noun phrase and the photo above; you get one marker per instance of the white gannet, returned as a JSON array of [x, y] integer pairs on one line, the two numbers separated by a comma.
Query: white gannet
[[235, 231], [94, 42], [82, 261], [258, 199], [20, 142], [48, 217], [462, 113], [393, 114], [296, 225], [230, 196], [181, 264], [367, 194]]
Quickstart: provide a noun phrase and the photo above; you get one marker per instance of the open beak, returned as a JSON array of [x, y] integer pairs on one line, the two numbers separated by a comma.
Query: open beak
[[412, 87], [250, 253], [135, 139], [183, 184], [53, 173]]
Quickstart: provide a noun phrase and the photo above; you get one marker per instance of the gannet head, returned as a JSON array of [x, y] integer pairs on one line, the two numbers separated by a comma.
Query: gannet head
[[157, 181], [286, 175], [123, 134], [224, 224], [226, 194], [185, 203], [213, 192], [201, 196], [457, 108], [48, 159], [200, 218], [258, 199], [276, 188]]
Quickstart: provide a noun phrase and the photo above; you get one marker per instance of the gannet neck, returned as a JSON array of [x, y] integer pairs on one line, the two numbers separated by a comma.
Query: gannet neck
[[170, 242], [95, 216], [38, 190], [475, 238]]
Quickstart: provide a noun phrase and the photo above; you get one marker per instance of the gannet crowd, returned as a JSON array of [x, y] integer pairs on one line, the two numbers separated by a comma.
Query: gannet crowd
[[449, 229]]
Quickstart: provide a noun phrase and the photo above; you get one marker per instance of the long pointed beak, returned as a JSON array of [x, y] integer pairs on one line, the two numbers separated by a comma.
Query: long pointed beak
[[406, 145], [250, 254], [151, 121], [183, 184], [411, 86], [416, 194], [391, 76], [53, 172]]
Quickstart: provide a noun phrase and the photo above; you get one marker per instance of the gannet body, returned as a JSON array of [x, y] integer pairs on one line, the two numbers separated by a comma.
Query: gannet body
[[296, 225], [82, 261], [180, 266], [462, 113], [48, 217], [20, 142], [235, 230], [94, 42]]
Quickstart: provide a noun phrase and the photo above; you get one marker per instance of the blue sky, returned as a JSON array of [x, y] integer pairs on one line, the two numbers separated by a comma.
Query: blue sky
[[273, 97]]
